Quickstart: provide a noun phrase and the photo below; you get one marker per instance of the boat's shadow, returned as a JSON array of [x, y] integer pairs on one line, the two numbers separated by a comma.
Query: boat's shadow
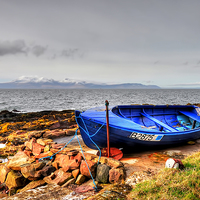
[[139, 149]]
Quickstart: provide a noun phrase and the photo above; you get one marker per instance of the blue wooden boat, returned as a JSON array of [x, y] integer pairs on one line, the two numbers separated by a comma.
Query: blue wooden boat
[[140, 125]]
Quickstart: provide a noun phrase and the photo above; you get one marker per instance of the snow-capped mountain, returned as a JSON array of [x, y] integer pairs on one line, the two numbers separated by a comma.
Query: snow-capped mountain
[[34, 82], [32, 79]]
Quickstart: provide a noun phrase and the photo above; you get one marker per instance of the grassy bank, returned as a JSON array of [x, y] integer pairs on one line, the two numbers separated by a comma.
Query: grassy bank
[[172, 183]]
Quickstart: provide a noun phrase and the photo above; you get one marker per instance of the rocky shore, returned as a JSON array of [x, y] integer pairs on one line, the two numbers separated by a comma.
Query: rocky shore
[[25, 138], [35, 160]]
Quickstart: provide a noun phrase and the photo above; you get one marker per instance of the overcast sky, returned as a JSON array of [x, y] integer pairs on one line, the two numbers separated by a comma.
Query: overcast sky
[[115, 41]]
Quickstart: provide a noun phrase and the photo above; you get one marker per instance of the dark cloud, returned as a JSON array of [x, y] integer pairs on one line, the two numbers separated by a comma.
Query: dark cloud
[[13, 47], [38, 50], [70, 53]]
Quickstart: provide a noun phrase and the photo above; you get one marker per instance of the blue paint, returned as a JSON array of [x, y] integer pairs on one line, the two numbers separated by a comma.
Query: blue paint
[[154, 125]]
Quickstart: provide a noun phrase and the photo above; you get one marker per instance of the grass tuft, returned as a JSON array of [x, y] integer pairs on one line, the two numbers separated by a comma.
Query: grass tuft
[[172, 183]]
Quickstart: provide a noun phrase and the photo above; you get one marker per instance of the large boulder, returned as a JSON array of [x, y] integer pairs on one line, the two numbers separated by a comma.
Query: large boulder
[[102, 173], [15, 180], [19, 159], [84, 168]]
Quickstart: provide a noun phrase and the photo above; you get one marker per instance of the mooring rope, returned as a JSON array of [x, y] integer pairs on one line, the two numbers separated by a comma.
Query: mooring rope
[[90, 137]]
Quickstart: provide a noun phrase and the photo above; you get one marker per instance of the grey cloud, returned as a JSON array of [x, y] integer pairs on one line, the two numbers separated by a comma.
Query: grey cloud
[[70, 53], [38, 50], [13, 47]]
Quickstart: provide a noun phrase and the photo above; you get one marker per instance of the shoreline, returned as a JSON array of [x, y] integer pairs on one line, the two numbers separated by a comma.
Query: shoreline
[[16, 129]]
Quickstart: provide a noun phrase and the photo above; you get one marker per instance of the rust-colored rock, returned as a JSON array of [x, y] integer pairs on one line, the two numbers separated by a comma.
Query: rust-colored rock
[[62, 160], [28, 145], [116, 175], [3, 173], [33, 184], [42, 155], [28, 153], [56, 165], [71, 165], [15, 180], [75, 173], [37, 149], [59, 177], [84, 168], [78, 157], [19, 159]]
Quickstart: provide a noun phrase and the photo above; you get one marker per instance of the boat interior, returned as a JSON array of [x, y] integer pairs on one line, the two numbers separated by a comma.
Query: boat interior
[[161, 118]]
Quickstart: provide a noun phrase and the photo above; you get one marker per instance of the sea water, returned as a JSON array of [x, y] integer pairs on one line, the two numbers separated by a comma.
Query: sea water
[[33, 100]]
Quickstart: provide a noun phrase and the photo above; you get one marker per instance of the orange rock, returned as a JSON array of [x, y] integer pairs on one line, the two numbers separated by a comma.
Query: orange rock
[[37, 149], [31, 171], [29, 145], [41, 142], [55, 164], [84, 168], [62, 160], [65, 162], [59, 177], [28, 152], [19, 159], [71, 165], [42, 155], [15, 180], [3, 173], [75, 173], [78, 157]]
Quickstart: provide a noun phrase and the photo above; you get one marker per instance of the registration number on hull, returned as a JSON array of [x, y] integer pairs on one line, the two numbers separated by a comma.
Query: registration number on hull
[[145, 137]]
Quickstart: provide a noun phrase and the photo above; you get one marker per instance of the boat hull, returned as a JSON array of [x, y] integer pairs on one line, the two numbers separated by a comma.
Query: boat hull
[[93, 131]]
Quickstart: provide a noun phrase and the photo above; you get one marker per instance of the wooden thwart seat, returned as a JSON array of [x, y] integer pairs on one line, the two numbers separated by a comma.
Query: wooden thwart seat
[[158, 122], [191, 115]]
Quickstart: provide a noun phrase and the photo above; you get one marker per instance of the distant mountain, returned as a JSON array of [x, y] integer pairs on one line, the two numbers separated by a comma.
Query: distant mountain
[[44, 83]]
